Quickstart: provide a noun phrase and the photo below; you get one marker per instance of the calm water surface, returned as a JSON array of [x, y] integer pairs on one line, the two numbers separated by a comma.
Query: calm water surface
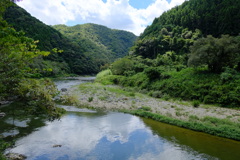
[[84, 134]]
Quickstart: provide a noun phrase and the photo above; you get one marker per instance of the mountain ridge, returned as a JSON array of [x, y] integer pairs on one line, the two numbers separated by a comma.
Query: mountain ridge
[[76, 56], [112, 42]]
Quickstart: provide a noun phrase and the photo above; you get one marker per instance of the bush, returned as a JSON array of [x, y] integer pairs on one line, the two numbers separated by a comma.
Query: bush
[[67, 99], [90, 99], [104, 73], [157, 94], [195, 103], [228, 75], [122, 65], [38, 96], [152, 73], [145, 108]]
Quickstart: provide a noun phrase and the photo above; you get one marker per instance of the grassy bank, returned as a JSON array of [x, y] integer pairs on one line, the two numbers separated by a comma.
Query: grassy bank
[[214, 126], [188, 84], [223, 122]]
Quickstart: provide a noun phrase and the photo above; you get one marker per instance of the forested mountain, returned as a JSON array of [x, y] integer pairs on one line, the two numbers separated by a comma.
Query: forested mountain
[[191, 52], [82, 53], [71, 59], [215, 17], [177, 29], [99, 42]]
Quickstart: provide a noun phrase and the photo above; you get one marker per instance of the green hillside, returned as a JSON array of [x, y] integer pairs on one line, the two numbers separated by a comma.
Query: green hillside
[[99, 42], [212, 17], [82, 53], [50, 38], [191, 52], [177, 29]]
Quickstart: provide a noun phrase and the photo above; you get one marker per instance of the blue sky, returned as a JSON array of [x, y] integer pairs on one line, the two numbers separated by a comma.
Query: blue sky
[[141, 4], [129, 15]]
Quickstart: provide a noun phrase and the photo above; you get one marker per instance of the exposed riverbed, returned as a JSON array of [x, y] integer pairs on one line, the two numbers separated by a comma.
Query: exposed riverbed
[[89, 134]]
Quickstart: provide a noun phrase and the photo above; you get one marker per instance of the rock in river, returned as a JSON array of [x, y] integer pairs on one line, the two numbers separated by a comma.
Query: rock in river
[[15, 156], [64, 89]]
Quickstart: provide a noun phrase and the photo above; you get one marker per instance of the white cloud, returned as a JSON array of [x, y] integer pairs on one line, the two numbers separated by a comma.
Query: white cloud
[[117, 14], [78, 135]]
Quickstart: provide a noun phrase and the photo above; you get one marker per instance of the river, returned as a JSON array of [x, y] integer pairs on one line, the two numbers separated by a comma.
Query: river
[[100, 135]]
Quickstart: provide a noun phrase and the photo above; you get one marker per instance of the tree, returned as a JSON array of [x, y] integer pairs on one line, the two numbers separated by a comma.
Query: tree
[[216, 53], [120, 66], [16, 53]]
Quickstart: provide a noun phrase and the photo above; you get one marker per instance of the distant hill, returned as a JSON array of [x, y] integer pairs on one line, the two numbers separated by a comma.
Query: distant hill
[[99, 42], [82, 54]]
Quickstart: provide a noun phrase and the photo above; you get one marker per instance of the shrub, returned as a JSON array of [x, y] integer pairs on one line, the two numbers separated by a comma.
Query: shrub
[[166, 97], [152, 73], [67, 99], [157, 94], [208, 99], [228, 75], [143, 91], [132, 94], [104, 73], [196, 103], [38, 96], [90, 99], [145, 108], [122, 65]]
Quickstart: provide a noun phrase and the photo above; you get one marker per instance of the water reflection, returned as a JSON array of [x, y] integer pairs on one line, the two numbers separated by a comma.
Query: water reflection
[[101, 136], [207, 146], [85, 134]]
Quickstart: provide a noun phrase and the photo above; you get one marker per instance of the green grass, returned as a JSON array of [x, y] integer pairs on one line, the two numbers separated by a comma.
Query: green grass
[[198, 85], [103, 98], [103, 73], [119, 91], [214, 126], [146, 108]]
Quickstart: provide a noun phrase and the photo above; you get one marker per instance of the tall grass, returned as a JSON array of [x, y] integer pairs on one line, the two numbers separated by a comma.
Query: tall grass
[[104, 73], [221, 128]]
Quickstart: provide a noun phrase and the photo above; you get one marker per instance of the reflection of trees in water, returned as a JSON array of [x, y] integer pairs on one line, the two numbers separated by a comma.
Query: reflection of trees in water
[[189, 140], [18, 122], [92, 114]]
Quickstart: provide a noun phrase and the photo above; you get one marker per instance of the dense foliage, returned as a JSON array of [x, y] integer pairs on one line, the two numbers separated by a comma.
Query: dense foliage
[[100, 43], [216, 53], [170, 38], [17, 54], [163, 56], [215, 17]]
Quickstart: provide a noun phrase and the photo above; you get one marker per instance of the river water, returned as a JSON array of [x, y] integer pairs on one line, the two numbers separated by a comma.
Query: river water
[[98, 135]]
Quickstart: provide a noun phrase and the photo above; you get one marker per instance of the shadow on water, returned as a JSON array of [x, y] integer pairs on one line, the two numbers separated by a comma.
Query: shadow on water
[[18, 123], [221, 148]]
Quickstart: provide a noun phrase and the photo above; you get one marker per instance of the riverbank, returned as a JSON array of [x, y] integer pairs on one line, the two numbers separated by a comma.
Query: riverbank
[[218, 121]]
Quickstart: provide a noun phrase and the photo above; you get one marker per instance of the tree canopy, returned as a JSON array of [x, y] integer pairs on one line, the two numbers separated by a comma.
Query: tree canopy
[[216, 53]]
